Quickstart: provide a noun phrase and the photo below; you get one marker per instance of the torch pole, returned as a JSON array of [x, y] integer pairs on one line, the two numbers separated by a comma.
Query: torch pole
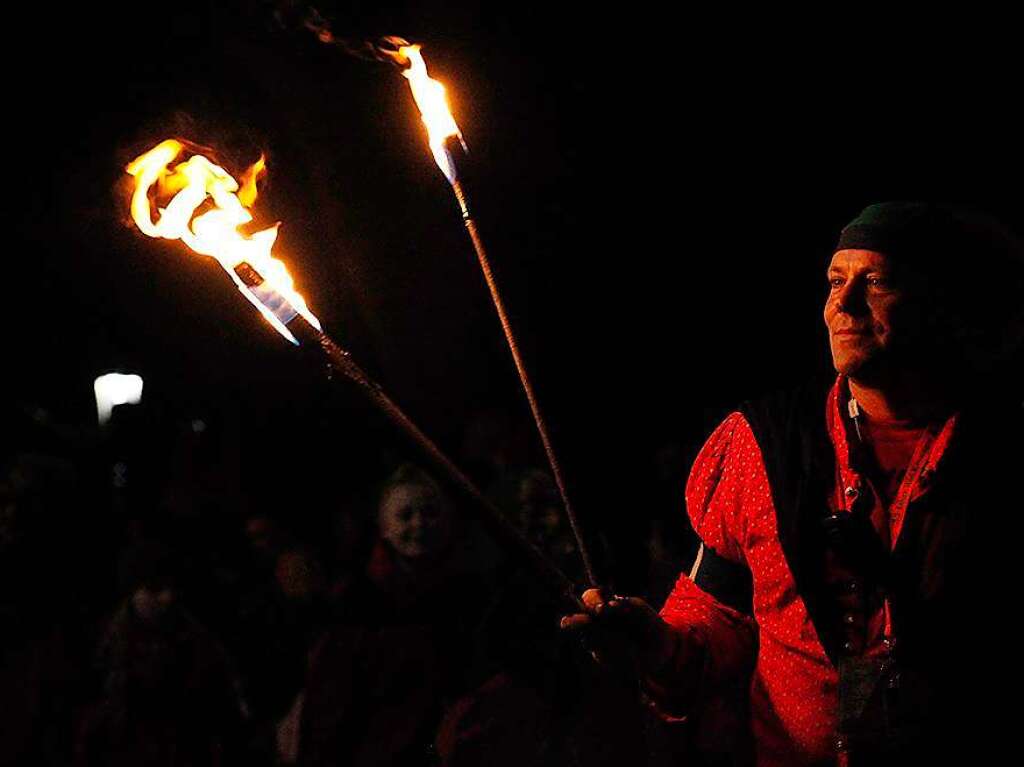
[[340, 361], [531, 397]]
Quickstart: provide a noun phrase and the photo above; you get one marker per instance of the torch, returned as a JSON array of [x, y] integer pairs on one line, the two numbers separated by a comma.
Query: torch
[[443, 133], [264, 280]]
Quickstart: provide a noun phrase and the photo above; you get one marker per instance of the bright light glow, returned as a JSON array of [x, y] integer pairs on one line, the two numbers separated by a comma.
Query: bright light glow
[[198, 186], [432, 102], [115, 389]]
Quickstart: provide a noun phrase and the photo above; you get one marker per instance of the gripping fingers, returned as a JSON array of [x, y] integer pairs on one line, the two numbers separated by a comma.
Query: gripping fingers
[[577, 622]]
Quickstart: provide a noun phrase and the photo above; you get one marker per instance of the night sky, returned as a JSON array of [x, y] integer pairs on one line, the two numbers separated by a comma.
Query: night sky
[[659, 191]]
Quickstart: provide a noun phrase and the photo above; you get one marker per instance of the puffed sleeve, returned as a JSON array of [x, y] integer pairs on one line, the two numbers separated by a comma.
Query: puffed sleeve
[[718, 485], [717, 638]]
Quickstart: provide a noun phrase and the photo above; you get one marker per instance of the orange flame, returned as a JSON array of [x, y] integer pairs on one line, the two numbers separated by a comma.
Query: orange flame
[[214, 232], [432, 102]]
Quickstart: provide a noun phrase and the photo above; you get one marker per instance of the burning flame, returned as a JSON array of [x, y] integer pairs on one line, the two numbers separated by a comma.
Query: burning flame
[[433, 105], [214, 232]]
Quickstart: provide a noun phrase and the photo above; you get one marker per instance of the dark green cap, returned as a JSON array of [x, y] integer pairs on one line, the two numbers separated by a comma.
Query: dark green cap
[[905, 230]]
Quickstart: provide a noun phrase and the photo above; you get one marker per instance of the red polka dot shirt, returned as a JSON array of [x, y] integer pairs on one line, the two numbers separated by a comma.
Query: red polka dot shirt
[[793, 685]]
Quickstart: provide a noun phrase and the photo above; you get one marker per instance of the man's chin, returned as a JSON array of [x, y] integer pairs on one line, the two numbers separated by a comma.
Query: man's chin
[[860, 367]]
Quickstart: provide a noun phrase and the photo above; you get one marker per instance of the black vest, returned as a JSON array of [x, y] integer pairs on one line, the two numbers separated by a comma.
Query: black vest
[[951, 579]]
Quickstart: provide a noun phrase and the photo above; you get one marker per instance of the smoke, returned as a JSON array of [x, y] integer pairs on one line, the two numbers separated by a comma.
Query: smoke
[[384, 50]]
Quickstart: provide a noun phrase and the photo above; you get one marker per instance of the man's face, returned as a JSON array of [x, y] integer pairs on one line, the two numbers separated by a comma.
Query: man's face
[[262, 536], [870, 318], [152, 602]]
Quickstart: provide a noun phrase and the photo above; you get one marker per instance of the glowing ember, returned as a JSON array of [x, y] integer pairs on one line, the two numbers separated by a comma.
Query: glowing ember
[[433, 105], [196, 183]]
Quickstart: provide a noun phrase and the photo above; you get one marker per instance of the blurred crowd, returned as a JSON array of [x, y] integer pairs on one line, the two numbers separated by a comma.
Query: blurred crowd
[[154, 612]]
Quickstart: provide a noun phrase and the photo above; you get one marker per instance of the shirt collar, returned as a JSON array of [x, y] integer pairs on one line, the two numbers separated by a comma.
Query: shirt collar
[[841, 431]]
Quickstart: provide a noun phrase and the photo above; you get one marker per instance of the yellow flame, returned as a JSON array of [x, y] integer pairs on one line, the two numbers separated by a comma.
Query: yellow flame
[[215, 232], [247, 192], [432, 102]]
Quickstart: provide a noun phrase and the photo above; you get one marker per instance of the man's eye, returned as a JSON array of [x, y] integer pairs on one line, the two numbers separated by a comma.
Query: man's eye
[[835, 282], [877, 282]]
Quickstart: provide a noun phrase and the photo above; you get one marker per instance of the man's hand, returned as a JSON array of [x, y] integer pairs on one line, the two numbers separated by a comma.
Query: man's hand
[[624, 630]]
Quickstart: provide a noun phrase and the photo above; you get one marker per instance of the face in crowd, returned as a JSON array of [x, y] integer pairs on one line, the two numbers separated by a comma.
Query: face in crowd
[[415, 520], [153, 602]]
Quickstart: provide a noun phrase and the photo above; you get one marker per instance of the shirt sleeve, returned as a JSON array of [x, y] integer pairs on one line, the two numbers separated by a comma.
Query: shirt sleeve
[[716, 644]]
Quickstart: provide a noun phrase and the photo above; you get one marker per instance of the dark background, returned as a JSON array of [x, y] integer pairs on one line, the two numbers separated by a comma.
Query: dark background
[[659, 190]]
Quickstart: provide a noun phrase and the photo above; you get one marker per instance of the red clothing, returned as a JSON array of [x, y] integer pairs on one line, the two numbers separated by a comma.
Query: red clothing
[[893, 444], [793, 689]]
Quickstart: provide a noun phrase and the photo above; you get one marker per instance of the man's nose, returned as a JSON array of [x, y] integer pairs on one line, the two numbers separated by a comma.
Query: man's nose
[[851, 298]]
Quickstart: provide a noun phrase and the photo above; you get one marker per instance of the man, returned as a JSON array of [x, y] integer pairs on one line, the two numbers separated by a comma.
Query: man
[[857, 541], [169, 694]]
